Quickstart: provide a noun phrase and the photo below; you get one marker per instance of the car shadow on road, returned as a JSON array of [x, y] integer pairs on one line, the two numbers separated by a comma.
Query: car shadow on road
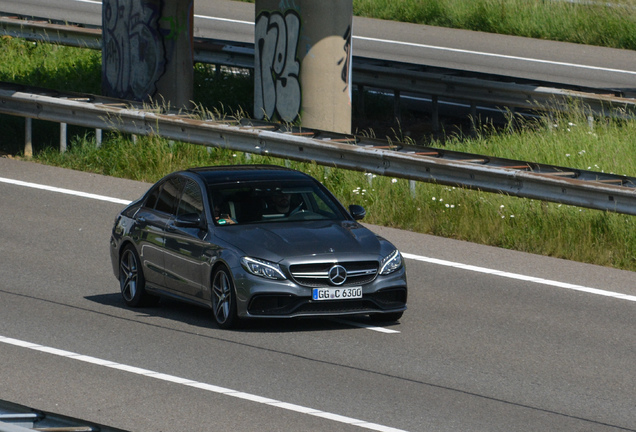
[[173, 310]]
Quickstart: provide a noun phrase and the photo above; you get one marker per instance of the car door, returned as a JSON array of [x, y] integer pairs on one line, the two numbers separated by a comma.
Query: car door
[[151, 221], [187, 252]]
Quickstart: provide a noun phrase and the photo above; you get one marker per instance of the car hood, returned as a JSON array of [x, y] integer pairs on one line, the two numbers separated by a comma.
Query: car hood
[[303, 241]]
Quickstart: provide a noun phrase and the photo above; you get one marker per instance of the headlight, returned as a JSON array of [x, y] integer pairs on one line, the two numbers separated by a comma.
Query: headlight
[[391, 263], [262, 268]]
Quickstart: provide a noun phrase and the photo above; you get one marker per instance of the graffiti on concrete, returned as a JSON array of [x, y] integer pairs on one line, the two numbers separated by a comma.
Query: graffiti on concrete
[[277, 68], [178, 26], [346, 60], [134, 55]]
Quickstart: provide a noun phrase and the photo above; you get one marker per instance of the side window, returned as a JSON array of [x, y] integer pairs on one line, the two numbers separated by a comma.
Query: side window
[[191, 200], [151, 201], [167, 200]]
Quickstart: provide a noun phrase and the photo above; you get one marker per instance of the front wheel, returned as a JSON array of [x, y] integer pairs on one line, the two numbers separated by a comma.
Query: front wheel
[[224, 299], [131, 279]]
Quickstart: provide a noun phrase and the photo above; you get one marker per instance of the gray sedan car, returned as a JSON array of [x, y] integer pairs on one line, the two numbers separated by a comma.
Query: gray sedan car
[[254, 242]]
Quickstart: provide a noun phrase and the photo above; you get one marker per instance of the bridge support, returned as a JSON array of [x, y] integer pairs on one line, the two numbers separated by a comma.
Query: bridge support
[[302, 60], [147, 52]]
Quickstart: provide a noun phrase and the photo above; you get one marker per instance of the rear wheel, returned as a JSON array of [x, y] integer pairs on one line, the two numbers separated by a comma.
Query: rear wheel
[[224, 299], [131, 279]]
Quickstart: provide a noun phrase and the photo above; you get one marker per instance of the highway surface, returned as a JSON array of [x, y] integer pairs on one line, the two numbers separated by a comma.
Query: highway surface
[[493, 340], [560, 63]]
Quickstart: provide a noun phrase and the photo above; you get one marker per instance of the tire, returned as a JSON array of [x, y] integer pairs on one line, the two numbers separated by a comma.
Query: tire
[[224, 299], [387, 317], [132, 282]]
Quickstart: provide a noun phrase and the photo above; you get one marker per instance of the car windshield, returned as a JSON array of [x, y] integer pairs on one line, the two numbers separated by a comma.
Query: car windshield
[[265, 202]]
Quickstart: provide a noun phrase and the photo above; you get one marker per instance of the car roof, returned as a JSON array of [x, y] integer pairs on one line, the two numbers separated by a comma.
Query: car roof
[[246, 173]]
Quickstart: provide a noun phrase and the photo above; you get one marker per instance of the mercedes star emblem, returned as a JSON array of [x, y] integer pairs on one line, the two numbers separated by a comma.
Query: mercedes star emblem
[[337, 275]]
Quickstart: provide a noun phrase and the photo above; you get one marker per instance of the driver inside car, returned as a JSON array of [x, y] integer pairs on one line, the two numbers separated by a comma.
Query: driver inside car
[[281, 202]]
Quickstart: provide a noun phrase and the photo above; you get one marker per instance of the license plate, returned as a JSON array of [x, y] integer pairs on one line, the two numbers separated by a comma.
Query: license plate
[[337, 293]]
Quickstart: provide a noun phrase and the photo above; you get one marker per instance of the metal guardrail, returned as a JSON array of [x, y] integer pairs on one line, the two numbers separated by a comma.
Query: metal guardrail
[[518, 178], [474, 88], [18, 418]]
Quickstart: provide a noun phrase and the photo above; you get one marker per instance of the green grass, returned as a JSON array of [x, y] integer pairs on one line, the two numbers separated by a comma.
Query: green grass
[[527, 225], [514, 223], [559, 20]]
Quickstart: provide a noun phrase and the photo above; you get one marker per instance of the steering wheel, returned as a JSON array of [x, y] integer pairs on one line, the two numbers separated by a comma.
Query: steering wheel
[[298, 209]]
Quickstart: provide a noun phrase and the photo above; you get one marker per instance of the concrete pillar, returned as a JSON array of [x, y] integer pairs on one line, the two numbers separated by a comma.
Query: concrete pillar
[[147, 51], [303, 62]]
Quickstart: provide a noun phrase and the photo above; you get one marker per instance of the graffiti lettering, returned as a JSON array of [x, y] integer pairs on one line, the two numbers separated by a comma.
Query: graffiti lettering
[[346, 60], [177, 26], [277, 88], [134, 57]]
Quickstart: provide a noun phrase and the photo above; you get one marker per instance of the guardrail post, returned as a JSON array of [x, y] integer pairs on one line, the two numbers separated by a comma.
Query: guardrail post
[[28, 137], [396, 106], [361, 106], [473, 118], [435, 113], [302, 65], [413, 188], [63, 133], [148, 52], [98, 138]]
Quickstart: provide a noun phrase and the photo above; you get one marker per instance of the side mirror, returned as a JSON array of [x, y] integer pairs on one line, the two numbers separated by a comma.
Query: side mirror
[[189, 220], [357, 212]]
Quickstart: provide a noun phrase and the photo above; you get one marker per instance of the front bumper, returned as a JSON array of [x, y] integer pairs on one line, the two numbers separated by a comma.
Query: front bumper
[[287, 305], [259, 298]]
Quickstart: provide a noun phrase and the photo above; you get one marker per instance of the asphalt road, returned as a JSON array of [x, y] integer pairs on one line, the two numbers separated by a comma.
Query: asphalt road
[[482, 347], [556, 62]]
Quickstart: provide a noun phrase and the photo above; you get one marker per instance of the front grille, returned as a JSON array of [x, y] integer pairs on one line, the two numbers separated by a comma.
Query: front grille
[[317, 275], [289, 305], [327, 307]]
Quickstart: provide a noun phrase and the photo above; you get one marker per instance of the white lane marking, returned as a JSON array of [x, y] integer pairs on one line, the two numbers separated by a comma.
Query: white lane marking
[[233, 21], [533, 279], [494, 272], [199, 385], [501, 56], [64, 191], [364, 326], [452, 50]]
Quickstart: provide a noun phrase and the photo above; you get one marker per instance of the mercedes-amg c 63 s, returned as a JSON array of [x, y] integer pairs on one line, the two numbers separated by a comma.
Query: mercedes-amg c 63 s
[[254, 242]]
